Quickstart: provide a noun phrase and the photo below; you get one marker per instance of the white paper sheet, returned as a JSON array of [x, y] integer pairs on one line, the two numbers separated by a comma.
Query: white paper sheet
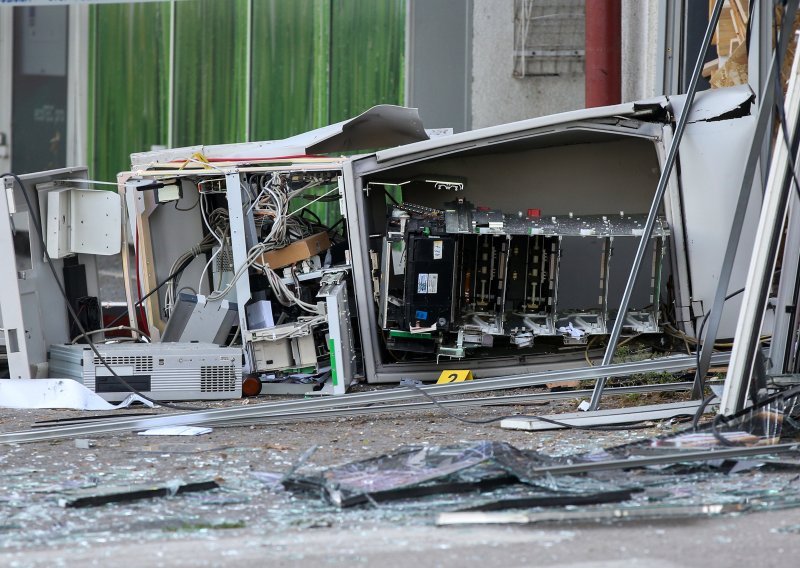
[[176, 431]]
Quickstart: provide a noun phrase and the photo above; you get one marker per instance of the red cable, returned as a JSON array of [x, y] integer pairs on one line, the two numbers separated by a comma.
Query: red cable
[[298, 156]]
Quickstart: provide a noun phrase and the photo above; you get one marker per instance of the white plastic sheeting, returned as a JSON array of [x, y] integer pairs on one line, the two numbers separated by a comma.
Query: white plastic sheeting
[[56, 393]]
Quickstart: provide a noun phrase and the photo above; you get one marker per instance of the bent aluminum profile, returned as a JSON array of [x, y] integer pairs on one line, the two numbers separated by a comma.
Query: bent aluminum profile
[[268, 410]]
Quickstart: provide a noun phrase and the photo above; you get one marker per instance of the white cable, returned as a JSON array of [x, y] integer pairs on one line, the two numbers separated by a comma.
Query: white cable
[[273, 199], [327, 193], [117, 328], [300, 329], [213, 256]]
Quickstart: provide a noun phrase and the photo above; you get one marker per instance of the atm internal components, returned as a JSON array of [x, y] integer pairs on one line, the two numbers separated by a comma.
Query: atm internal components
[[480, 280]]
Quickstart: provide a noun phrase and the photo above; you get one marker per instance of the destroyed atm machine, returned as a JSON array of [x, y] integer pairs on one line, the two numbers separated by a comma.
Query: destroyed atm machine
[[506, 250], [233, 248], [54, 226], [503, 250]]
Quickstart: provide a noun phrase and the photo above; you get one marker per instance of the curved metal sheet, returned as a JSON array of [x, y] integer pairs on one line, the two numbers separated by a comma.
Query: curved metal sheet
[[382, 126]]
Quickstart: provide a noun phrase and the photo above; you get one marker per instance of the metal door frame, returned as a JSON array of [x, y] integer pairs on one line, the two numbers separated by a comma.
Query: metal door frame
[[6, 69], [77, 85]]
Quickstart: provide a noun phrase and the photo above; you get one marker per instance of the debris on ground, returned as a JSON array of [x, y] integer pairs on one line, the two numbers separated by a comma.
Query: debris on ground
[[95, 497], [696, 472]]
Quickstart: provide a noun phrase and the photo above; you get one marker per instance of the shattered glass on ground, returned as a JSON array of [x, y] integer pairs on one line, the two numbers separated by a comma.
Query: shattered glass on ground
[[499, 476], [442, 470]]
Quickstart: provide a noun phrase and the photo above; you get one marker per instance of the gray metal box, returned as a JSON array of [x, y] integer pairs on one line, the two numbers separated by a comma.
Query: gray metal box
[[171, 371]]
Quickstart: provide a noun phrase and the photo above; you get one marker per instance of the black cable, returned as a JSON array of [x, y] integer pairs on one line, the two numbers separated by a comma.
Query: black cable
[[701, 409], [699, 338], [790, 394], [164, 282], [336, 224], [310, 212], [196, 203], [783, 397], [40, 234], [390, 196], [716, 433], [631, 426]]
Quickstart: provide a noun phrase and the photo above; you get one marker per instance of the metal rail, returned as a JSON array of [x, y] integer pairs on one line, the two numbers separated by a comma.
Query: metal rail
[[503, 400], [769, 234], [656, 205], [677, 457], [223, 415], [458, 403]]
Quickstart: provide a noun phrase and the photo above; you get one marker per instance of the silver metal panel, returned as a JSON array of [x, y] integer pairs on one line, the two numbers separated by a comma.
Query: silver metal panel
[[15, 338], [605, 417], [334, 289], [438, 66], [377, 127], [783, 336], [712, 104], [358, 238], [708, 104], [709, 203], [96, 221], [588, 172], [679, 267], [510, 130], [186, 371], [34, 312], [6, 84], [239, 243], [172, 233], [198, 319], [669, 43]]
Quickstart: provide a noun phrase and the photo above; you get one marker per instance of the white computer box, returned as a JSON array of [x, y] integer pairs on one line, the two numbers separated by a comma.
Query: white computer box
[[161, 371]]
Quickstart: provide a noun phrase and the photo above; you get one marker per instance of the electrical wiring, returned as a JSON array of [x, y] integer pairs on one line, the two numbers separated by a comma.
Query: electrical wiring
[[33, 213], [273, 202], [105, 329], [296, 211], [180, 264], [211, 180], [301, 328], [253, 254], [217, 230], [196, 203], [586, 350], [160, 285], [594, 337], [698, 341], [284, 295]]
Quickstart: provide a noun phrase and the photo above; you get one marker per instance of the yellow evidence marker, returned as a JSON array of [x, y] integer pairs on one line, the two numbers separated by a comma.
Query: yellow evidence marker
[[454, 377]]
